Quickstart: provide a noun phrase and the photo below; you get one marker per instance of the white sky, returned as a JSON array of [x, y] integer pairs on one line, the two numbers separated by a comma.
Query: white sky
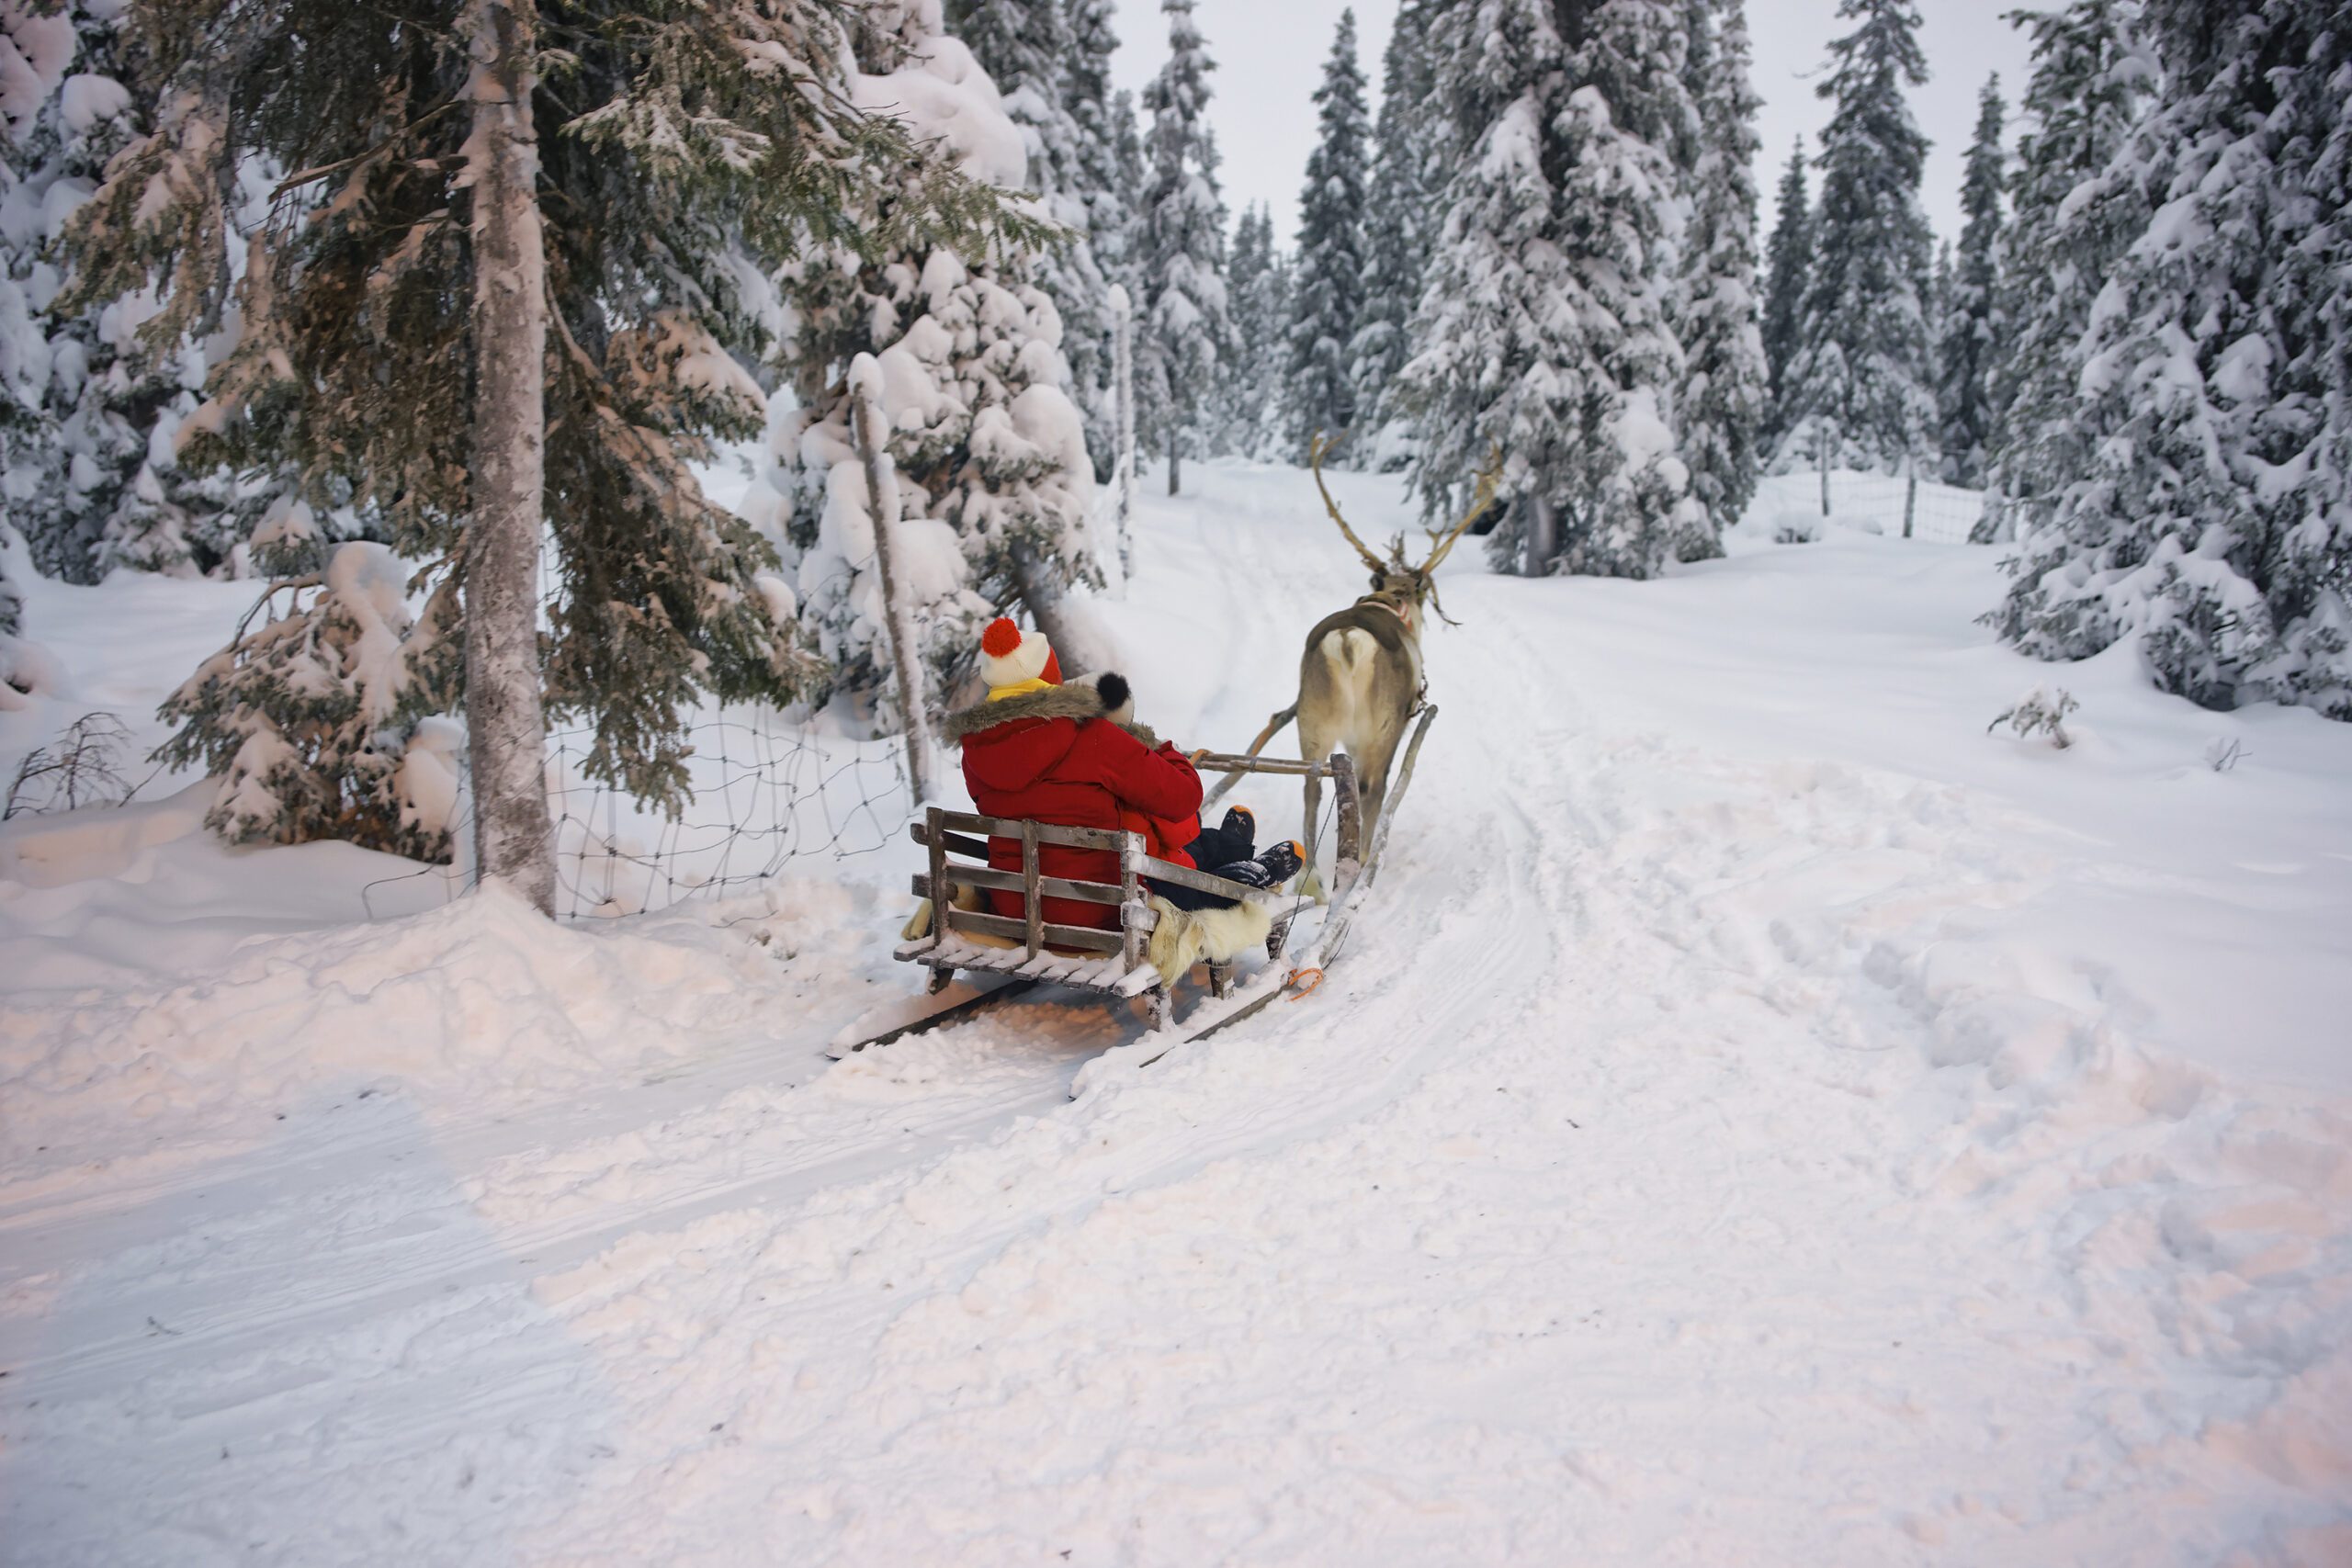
[[1270, 58]]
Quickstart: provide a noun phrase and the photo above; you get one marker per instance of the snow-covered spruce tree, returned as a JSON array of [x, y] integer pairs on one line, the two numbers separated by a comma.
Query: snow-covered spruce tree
[[2213, 523], [1788, 269], [992, 486], [1029, 49], [1104, 120], [1327, 292], [1248, 419], [439, 182], [1186, 327], [1860, 392], [1542, 333], [1971, 325], [1144, 389], [1400, 223], [2089, 78], [1715, 316], [1105, 125], [86, 442], [1134, 174], [310, 715]]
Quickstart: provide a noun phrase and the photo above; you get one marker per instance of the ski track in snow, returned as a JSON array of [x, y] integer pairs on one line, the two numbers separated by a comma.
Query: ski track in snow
[[1666, 1176]]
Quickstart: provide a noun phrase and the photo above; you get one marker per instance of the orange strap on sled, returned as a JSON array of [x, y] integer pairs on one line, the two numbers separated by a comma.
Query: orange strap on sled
[[1307, 979]]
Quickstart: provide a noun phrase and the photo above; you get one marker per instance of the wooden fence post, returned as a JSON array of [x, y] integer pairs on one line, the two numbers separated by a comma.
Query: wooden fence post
[[881, 491]]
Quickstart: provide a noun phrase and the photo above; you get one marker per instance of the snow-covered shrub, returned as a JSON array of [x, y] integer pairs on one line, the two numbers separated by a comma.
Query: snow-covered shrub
[[2041, 711], [2224, 752], [23, 668], [1796, 528], [81, 767], [313, 719]]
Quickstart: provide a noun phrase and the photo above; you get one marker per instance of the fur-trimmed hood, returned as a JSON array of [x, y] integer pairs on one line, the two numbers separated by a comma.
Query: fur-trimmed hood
[[1041, 757], [1091, 697]]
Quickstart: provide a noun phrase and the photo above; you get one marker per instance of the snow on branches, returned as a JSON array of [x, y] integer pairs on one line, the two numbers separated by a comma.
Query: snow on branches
[[312, 719], [1544, 327], [992, 482], [683, 152], [2210, 523]]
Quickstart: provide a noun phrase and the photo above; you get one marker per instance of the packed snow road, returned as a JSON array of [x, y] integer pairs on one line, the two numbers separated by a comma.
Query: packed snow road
[[1726, 1141]]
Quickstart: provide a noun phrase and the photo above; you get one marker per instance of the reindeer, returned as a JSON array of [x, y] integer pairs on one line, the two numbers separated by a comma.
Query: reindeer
[[1360, 677]]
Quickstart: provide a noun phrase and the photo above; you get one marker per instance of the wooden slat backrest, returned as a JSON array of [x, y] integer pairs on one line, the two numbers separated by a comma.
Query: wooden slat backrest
[[1032, 904], [1010, 882], [1047, 833], [941, 898]]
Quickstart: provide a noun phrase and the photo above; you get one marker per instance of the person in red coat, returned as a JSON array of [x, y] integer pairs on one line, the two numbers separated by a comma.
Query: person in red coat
[[1041, 750]]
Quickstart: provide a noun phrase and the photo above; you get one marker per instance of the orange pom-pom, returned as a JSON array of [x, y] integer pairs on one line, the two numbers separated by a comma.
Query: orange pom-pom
[[1002, 639]]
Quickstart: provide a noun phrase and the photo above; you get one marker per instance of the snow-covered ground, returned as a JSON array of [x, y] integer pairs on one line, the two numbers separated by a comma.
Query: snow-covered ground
[[1763, 1118]]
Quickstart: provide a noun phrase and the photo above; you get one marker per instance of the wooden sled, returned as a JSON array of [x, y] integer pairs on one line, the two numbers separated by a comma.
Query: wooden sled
[[1110, 962]]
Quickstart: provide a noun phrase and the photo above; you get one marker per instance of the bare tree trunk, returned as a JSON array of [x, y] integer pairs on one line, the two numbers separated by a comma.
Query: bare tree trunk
[[513, 839], [881, 500], [1122, 384], [1175, 461], [1543, 536], [1049, 603]]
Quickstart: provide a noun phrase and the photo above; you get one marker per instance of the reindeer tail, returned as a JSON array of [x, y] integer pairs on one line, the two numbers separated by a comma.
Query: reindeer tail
[[1348, 650]]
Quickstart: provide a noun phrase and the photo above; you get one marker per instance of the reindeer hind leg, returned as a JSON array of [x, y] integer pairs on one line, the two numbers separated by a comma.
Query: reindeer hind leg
[[1371, 775], [1316, 746]]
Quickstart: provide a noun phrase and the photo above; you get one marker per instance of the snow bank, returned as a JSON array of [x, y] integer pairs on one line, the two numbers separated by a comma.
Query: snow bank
[[480, 1004]]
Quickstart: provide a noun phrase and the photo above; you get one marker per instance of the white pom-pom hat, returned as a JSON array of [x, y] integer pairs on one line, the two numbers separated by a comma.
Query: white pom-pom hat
[[1010, 656]]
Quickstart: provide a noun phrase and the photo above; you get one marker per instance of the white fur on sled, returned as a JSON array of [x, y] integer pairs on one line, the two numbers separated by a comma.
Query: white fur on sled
[[1185, 937]]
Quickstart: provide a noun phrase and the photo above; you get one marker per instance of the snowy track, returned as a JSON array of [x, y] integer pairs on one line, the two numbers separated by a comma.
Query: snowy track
[[1685, 1166]]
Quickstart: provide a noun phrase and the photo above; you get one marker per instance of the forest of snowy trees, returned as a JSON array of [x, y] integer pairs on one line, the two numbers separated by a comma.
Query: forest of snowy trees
[[344, 319]]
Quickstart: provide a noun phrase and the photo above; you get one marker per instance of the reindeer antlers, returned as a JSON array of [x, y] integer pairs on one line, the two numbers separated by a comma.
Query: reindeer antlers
[[1439, 544], [1315, 451], [1488, 477]]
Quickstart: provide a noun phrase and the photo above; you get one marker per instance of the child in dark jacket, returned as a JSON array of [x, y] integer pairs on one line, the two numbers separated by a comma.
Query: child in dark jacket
[[1229, 850]]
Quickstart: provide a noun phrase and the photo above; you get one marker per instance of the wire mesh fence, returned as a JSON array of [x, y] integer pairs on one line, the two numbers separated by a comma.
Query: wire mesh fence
[[768, 790], [1890, 504]]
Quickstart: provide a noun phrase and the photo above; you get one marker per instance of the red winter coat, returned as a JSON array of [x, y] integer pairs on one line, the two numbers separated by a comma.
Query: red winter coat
[[1051, 757]]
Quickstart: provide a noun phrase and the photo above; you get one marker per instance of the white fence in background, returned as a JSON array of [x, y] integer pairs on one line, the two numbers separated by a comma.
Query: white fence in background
[[1878, 503]]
